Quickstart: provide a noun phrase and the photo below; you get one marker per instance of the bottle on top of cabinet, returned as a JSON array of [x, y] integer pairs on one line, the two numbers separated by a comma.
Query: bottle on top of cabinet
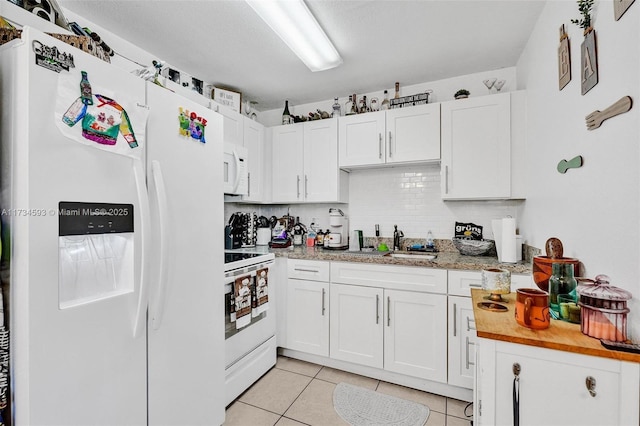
[[286, 116], [336, 108], [397, 95], [385, 102], [348, 106]]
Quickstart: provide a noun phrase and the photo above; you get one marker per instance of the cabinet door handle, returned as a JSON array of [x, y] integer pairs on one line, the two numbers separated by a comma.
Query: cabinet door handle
[[380, 146], [475, 285], [390, 152], [388, 311], [590, 383], [298, 186], [377, 309], [469, 321], [455, 322], [323, 302], [306, 186], [315, 271], [248, 184], [446, 179], [468, 362]]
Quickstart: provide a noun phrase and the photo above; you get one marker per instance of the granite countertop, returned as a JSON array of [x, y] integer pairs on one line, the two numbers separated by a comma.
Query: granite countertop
[[443, 260], [560, 335]]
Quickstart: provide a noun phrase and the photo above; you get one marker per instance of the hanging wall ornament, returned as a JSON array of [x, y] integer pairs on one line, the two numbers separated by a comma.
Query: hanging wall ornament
[[588, 54], [620, 7], [564, 59], [589, 61]]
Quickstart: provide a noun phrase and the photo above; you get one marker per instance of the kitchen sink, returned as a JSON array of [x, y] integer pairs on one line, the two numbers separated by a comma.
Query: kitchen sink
[[422, 256]]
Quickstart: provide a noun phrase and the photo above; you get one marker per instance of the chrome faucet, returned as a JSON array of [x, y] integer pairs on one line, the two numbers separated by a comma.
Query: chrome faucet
[[396, 237]]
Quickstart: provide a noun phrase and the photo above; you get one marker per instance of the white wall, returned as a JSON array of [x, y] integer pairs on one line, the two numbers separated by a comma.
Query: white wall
[[594, 210], [407, 196]]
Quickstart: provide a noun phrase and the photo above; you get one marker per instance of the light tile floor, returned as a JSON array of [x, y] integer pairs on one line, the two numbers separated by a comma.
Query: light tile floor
[[300, 393]]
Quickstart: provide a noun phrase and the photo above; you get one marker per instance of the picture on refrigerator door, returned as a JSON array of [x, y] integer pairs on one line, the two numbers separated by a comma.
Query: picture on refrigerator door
[[51, 58], [95, 252], [191, 124], [105, 123]]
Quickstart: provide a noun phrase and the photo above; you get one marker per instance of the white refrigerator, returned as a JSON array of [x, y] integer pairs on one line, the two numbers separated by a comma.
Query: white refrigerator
[[111, 199]]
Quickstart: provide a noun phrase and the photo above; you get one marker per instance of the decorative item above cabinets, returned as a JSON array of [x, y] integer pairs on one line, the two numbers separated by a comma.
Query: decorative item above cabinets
[[391, 137], [483, 147]]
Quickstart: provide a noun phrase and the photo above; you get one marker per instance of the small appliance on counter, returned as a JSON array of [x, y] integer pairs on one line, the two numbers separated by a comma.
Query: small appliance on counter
[[339, 229], [263, 234]]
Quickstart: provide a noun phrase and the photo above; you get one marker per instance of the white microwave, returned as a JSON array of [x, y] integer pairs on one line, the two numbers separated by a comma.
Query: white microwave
[[235, 170]]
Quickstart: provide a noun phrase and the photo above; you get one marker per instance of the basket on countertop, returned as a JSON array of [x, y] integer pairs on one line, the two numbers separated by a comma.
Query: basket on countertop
[[473, 247]]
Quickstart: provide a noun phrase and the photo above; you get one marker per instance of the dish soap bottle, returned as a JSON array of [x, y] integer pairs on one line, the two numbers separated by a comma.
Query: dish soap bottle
[[430, 243]]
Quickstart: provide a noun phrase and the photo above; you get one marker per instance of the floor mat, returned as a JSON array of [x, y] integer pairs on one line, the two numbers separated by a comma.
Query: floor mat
[[363, 407]]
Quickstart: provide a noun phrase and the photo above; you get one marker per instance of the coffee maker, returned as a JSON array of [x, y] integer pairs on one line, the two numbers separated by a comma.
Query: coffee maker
[[338, 229]]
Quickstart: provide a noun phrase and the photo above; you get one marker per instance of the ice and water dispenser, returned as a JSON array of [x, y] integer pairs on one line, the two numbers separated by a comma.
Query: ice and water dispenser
[[96, 252]]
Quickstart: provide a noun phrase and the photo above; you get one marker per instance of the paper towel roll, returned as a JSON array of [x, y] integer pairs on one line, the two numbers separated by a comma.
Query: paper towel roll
[[504, 232], [509, 240]]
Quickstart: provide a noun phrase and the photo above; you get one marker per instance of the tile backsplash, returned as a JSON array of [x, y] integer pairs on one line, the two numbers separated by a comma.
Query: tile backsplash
[[407, 196]]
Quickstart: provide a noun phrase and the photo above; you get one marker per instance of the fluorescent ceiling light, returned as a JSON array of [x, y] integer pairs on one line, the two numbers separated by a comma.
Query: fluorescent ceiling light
[[297, 27]]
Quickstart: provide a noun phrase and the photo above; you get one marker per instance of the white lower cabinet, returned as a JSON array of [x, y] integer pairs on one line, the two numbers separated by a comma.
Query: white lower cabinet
[[308, 306], [399, 331], [462, 342], [461, 325], [415, 336], [390, 317], [553, 387], [356, 332]]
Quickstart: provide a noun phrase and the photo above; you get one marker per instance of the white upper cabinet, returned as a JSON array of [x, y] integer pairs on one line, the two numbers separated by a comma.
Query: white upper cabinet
[[254, 142], [362, 139], [287, 163], [482, 147], [305, 163], [233, 125], [413, 134], [403, 135]]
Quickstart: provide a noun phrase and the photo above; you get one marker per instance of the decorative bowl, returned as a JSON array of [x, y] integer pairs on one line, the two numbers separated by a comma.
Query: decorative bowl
[[473, 247], [542, 266]]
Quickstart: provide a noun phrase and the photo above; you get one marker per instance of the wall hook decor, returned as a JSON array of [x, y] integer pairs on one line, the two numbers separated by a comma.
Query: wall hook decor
[[574, 163], [595, 119]]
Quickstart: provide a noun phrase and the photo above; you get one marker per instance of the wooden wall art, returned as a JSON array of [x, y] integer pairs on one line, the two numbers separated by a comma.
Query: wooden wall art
[[589, 61], [574, 163], [620, 7], [564, 59], [595, 119]]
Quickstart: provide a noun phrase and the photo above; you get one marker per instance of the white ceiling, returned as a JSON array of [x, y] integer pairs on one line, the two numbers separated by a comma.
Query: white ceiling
[[381, 42]]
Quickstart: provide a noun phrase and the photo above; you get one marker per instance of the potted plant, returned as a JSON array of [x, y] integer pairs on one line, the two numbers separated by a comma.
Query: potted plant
[[461, 94], [584, 7]]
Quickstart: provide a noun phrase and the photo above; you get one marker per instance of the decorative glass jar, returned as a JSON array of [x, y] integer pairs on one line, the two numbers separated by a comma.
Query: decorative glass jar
[[562, 282]]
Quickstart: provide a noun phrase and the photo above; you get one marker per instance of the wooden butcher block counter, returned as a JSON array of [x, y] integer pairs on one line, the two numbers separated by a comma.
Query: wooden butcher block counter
[[560, 335]]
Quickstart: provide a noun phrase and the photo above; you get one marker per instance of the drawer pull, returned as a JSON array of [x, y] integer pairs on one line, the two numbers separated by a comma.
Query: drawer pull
[[475, 285], [315, 271]]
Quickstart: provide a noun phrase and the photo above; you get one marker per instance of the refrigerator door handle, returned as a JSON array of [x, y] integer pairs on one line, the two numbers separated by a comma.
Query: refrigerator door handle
[[157, 305], [139, 321]]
